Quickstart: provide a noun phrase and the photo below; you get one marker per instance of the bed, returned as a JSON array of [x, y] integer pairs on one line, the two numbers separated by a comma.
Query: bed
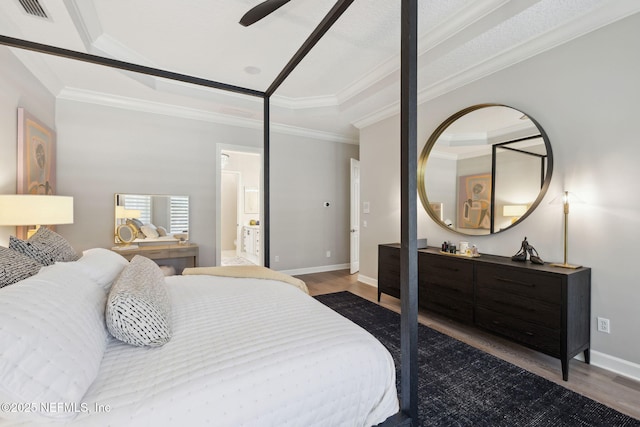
[[243, 351]]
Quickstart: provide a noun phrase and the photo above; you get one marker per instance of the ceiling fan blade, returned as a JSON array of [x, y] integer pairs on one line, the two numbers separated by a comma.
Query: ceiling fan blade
[[260, 11]]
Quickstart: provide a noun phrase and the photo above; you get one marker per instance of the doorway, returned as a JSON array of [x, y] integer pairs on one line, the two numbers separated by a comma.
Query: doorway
[[229, 233], [239, 206]]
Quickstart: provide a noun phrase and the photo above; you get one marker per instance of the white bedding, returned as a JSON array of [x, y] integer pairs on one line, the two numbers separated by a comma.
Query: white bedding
[[245, 352]]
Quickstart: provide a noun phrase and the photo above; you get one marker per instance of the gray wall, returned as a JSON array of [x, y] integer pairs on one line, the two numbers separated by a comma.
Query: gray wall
[[104, 150], [305, 175], [585, 95], [18, 88]]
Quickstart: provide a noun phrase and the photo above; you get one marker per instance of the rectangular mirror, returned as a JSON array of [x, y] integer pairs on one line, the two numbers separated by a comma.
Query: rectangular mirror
[[156, 218]]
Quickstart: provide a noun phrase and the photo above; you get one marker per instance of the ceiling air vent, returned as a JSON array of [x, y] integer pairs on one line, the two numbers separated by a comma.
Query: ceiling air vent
[[34, 8]]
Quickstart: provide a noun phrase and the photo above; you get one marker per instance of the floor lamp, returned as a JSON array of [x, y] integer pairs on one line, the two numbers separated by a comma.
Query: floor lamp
[[565, 202]]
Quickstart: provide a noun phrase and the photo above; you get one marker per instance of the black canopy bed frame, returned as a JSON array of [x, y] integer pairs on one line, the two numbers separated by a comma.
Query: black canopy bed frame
[[408, 414]]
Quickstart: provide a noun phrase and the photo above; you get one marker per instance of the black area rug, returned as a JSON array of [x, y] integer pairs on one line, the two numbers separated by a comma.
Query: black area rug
[[460, 385]]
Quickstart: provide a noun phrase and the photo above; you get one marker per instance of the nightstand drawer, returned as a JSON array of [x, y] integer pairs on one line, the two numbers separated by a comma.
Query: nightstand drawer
[[156, 253], [525, 283], [183, 251]]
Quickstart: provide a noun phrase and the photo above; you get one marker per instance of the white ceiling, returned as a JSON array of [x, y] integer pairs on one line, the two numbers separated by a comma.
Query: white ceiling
[[350, 79]]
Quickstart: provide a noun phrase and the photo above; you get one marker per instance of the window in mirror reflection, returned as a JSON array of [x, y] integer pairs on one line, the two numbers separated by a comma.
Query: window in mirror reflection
[[170, 210], [168, 215]]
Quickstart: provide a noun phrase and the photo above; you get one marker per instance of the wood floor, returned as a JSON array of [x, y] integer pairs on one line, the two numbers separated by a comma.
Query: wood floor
[[611, 389]]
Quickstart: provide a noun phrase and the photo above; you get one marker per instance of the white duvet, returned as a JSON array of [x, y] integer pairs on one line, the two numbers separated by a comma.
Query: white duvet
[[245, 352]]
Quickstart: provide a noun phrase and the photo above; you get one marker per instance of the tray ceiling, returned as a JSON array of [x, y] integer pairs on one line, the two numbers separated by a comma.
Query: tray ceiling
[[349, 80]]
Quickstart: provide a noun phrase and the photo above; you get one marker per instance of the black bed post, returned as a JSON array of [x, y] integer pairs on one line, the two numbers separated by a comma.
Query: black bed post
[[409, 230], [266, 227]]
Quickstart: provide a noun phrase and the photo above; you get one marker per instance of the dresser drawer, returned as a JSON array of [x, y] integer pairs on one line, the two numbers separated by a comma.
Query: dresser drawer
[[389, 270], [447, 305], [535, 311], [442, 272], [533, 335], [530, 284]]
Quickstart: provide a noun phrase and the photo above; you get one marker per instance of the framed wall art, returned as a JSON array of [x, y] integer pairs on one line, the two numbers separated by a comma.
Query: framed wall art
[[36, 159], [474, 201]]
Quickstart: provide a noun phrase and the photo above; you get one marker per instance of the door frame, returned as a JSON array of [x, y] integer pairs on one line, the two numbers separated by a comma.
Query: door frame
[[354, 216], [220, 147]]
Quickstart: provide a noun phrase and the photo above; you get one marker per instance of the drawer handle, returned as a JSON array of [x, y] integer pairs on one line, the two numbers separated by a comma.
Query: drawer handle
[[445, 306], [520, 307], [438, 285], [515, 282], [448, 268], [531, 334]]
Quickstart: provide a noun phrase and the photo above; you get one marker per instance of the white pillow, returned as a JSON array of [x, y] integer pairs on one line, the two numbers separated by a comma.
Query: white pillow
[[52, 340], [150, 231], [101, 265], [138, 307]]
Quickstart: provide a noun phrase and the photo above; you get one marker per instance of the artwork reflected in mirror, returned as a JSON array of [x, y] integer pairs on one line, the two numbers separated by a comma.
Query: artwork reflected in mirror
[[484, 169], [151, 218], [251, 200]]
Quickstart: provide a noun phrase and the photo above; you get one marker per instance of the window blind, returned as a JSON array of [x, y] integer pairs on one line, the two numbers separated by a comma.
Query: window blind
[[179, 214]]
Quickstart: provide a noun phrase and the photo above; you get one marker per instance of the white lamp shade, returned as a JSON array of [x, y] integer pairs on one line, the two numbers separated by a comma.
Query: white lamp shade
[[31, 209], [132, 213], [514, 210], [122, 213]]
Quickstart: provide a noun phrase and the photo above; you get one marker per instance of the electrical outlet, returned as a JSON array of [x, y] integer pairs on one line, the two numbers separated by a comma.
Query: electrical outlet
[[328, 254], [277, 258], [603, 325]]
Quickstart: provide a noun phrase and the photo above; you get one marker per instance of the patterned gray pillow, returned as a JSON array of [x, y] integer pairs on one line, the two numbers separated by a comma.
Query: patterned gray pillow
[[45, 246], [15, 266], [138, 307]]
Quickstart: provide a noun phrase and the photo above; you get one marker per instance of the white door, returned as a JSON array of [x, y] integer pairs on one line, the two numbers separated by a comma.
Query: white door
[[229, 199], [354, 231]]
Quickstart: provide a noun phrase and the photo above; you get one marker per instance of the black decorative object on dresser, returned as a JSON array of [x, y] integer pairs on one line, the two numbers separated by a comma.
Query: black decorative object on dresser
[[545, 308]]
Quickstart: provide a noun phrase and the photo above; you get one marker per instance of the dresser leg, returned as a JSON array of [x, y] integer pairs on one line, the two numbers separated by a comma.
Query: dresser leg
[[565, 369], [587, 356], [379, 293]]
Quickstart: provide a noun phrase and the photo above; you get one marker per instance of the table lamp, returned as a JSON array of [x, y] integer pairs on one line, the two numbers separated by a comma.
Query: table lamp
[[514, 211], [566, 196], [31, 209]]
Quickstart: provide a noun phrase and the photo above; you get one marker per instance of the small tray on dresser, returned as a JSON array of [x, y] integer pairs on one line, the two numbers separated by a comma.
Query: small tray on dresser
[[460, 255]]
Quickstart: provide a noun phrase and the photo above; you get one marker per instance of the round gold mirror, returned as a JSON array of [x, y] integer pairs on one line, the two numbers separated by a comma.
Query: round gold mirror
[[484, 169], [126, 233]]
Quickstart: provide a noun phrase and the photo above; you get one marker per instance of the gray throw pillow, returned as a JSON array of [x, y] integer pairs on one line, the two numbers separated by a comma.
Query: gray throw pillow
[[15, 266], [45, 246], [138, 307]]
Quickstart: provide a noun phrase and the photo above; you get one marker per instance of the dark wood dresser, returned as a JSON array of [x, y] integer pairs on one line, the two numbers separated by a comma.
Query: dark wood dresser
[[545, 308]]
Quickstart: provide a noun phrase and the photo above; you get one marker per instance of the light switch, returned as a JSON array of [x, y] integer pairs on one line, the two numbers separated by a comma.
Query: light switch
[[365, 207]]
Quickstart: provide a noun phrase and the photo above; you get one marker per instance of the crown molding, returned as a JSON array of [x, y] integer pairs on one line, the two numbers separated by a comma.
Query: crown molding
[[606, 14], [443, 32], [133, 104]]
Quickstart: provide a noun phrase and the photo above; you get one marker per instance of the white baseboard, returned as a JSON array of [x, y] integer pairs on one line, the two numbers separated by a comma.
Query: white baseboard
[[615, 364], [320, 269], [368, 280]]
